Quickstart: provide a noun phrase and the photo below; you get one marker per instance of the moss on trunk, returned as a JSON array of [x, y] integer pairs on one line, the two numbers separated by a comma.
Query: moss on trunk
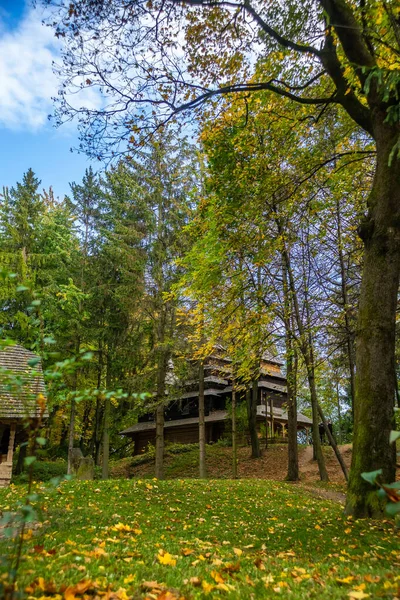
[[375, 338]]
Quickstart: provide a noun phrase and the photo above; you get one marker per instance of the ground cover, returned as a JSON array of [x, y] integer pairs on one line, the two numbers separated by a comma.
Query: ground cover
[[122, 539], [271, 465]]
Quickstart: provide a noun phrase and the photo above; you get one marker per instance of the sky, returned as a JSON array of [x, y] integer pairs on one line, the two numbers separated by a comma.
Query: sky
[[27, 85]]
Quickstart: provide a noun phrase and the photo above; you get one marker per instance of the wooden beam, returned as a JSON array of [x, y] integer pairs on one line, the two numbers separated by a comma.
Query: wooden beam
[[10, 453]]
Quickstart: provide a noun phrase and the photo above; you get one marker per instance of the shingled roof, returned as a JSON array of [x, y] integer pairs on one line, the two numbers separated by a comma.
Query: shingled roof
[[20, 383]]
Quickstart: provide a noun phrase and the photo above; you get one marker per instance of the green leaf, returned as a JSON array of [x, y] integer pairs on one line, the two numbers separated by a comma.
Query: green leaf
[[28, 512], [87, 356], [393, 486], [393, 508], [33, 497], [394, 435], [29, 460], [371, 476], [22, 288], [32, 362], [41, 441], [36, 303]]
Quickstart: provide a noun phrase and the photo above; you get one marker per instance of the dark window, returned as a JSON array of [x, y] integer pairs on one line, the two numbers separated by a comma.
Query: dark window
[[4, 438]]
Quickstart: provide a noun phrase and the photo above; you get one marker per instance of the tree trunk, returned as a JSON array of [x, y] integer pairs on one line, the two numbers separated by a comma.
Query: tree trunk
[[340, 436], [323, 473], [293, 458], [291, 372], [202, 426], [96, 437], [71, 434], [160, 442], [97, 432], [161, 373], [306, 349], [251, 397], [333, 443], [375, 334], [106, 427], [346, 308], [106, 439], [234, 440]]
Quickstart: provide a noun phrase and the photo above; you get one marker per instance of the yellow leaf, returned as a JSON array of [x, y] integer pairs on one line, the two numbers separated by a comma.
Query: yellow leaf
[[224, 587], [207, 587], [357, 595], [166, 559], [217, 577], [346, 580], [238, 551], [121, 527]]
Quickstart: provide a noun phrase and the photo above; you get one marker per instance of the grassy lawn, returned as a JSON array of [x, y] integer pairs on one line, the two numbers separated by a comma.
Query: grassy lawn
[[123, 539]]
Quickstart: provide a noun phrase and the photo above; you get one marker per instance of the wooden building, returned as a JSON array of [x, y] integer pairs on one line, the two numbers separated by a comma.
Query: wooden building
[[20, 385], [182, 413]]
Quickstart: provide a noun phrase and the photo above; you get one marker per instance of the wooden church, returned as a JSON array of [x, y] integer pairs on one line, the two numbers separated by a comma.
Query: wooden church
[[20, 386], [182, 412]]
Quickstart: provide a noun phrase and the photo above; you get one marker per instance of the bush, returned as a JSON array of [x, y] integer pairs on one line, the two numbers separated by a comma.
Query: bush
[[170, 448], [43, 471], [180, 448]]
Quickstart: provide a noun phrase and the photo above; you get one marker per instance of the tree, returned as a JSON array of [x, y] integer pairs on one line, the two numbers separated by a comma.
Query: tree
[[22, 209], [163, 180], [319, 53], [285, 210]]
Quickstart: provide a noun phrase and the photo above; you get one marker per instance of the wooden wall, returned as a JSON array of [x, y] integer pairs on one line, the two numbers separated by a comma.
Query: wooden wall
[[6, 459], [184, 434]]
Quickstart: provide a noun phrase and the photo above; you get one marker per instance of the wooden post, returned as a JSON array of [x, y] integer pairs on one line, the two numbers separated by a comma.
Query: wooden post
[[10, 452], [271, 408], [264, 396]]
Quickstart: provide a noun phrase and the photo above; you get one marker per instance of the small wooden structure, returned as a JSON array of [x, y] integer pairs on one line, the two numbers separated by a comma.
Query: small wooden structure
[[20, 385]]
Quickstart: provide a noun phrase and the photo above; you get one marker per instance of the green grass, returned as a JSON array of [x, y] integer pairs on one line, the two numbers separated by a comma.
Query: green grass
[[233, 539]]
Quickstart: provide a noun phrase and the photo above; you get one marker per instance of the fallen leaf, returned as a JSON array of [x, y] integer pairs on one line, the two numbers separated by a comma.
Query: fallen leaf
[[166, 559]]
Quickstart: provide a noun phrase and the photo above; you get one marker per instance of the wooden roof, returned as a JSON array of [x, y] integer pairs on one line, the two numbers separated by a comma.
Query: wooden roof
[[218, 415], [20, 383]]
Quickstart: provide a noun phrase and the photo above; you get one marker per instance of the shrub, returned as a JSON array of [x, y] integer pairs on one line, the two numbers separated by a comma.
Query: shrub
[[43, 471]]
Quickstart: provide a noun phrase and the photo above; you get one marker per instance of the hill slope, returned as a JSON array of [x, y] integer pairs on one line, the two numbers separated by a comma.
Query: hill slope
[[272, 464]]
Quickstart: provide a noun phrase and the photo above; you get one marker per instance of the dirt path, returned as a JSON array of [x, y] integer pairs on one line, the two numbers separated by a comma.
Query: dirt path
[[323, 494], [309, 467]]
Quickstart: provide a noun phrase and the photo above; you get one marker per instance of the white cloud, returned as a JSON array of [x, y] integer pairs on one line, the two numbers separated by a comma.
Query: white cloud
[[27, 81]]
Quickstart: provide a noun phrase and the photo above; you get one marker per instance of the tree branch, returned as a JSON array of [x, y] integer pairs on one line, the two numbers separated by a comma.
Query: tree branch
[[250, 87], [246, 6], [349, 32]]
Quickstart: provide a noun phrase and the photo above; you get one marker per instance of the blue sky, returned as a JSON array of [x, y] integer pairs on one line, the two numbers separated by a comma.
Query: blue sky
[[27, 84]]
